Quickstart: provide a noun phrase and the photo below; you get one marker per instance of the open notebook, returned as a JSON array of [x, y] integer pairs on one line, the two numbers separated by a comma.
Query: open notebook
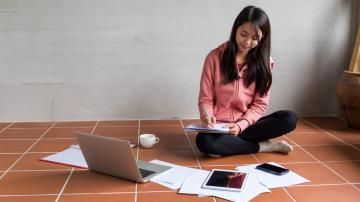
[[71, 156], [198, 127]]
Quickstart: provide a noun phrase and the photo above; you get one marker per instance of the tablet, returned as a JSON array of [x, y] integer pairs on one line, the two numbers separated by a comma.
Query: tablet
[[225, 180]]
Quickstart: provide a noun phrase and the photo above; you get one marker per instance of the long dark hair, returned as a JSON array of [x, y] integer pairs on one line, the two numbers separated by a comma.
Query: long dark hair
[[258, 58]]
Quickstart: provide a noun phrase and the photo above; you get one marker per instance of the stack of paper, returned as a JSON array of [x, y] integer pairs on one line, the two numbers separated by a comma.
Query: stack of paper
[[174, 177], [271, 180], [192, 185], [191, 181], [218, 128]]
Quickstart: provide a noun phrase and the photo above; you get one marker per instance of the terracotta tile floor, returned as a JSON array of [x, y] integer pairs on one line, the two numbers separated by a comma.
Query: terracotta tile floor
[[326, 151]]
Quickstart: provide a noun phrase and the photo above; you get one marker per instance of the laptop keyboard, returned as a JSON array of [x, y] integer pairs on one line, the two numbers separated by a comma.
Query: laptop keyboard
[[145, 173]]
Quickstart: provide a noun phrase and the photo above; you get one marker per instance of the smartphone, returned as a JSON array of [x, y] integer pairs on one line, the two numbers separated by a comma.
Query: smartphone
[[276, 170]]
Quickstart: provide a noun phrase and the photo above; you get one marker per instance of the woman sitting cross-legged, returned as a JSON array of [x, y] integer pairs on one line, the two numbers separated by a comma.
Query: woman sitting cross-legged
[[235, 87]]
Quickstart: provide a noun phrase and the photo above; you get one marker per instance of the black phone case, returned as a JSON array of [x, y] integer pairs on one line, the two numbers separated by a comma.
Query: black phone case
[[271, 171]]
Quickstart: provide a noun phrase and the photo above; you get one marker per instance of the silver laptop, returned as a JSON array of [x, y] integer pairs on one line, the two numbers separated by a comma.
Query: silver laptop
[[115, 157]]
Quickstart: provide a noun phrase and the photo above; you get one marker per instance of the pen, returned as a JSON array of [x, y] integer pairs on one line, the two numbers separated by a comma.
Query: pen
[[208, 115]]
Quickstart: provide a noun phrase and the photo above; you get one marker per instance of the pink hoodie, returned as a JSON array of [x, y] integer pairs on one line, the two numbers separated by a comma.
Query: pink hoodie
[[233, 102]]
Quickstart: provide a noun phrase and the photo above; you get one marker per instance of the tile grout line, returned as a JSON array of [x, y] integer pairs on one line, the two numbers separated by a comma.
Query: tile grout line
[[319, 185], [333, 136], [163, 191], [51, 170], [62, 138], [11, 153], [87, 193], [319, 145], [6, 128], [19, 139], [66, 182], [338, 161], [93, 130], [193, 150], [137, 158], [123, 126], [324, 163], [256, 158], [29, 127], [287, 138], [303, 132], [73, 127], [124, 192], [287, 192], [20, 195], [72, 170], [73, 138], [96, 193], [27, 151], [159, 125]]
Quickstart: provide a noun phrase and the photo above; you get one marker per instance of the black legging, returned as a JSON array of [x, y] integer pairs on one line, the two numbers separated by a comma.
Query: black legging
[[268, 127]]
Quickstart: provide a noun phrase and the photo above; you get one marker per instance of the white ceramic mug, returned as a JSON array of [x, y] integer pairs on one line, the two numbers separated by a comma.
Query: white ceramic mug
[[148, 140]]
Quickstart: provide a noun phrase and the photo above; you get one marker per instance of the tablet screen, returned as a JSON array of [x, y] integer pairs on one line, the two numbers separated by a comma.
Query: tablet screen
[[225, 179]]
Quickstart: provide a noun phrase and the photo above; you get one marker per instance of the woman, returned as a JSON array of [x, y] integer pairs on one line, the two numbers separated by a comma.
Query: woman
[[235, 87]]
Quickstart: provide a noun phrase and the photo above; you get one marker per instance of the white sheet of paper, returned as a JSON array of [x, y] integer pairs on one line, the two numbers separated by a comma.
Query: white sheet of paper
[[174, 177], [192, 185], [71, 156], [177, 174], [271, 180]]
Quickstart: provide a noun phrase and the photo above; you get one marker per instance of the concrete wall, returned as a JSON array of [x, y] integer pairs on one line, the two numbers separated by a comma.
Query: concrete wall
[[111, 59]]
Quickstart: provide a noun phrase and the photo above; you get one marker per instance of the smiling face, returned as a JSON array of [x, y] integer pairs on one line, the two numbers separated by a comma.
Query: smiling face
[[247, 38]]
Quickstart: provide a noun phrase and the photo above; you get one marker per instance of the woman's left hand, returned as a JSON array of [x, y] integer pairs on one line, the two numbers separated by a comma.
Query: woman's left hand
[[234, 129]]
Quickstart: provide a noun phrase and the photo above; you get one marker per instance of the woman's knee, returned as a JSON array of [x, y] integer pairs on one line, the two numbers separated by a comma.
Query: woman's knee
[[205, 143], [290, 119]]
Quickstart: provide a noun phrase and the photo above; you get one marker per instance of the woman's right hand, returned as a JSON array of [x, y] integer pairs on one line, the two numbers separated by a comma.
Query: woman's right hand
[[209, 121]]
